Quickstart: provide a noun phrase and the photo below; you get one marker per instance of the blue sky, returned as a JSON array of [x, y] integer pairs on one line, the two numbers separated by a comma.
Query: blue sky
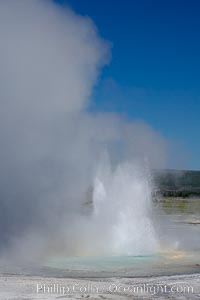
[[154, 74]]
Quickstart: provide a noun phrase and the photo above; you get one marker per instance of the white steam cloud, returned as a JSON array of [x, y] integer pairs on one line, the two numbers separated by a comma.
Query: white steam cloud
[[51, 145]]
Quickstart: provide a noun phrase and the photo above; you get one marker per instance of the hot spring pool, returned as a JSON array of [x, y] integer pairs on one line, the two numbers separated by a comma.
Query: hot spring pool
[[168, 262]]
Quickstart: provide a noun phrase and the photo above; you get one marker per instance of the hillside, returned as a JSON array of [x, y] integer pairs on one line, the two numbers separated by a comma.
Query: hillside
[[177, 182]]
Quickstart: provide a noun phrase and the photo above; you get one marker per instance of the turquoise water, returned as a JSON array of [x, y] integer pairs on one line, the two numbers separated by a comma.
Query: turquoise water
[[100, 263], [167, 262], [179, 254]]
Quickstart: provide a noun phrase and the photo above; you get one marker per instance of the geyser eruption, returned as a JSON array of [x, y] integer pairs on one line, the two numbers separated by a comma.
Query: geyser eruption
[[51, 144], [122, 206]]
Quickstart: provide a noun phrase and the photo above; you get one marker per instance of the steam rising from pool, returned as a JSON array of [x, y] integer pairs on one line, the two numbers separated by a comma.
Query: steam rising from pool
[[57, 194]]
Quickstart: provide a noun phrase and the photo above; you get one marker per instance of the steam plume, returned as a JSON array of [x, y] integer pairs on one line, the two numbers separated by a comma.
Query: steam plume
[[51, 145]]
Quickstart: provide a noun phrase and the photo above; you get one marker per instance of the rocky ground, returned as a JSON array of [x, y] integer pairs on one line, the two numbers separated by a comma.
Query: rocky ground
[[15, 287]]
